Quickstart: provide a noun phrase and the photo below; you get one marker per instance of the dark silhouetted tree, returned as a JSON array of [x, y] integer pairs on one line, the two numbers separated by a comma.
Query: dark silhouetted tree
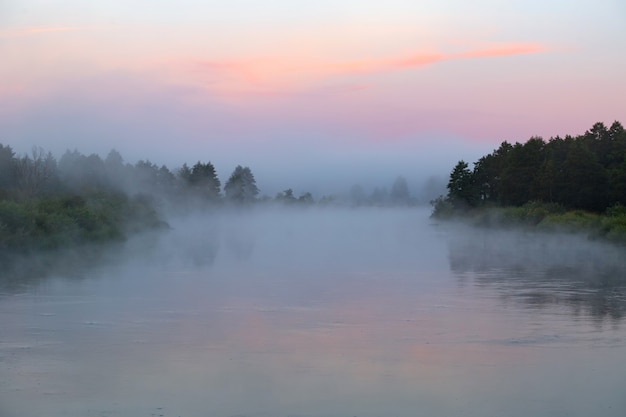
[[82, 173], [165, 178], [584, 181], [488, 173], [519, 176], [204, 178], [146, 173], [583, 172], [462, 191], [36, 174], [116, 171], [286, 197], [7, 169], [306, 199], [184, 174], [241, 186]]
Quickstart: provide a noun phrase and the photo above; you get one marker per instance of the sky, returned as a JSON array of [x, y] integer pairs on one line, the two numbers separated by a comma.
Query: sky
[[307, 94]]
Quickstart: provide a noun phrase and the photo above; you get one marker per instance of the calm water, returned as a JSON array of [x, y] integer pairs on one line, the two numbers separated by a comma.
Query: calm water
[[323, 313]]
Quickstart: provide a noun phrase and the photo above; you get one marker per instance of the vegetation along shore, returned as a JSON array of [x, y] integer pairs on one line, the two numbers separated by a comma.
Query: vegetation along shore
[[575, 184]]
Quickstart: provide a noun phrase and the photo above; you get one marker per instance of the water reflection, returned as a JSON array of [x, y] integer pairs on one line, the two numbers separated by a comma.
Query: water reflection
[[20, 273], [318, 314], [541, 270]]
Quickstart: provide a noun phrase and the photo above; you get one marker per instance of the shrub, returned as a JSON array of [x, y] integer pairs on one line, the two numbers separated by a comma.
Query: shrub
[[442, 208], [70, 220]]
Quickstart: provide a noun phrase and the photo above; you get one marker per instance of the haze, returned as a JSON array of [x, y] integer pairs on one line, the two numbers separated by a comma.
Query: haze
[[331, 92], [310, 310], [326, 311]]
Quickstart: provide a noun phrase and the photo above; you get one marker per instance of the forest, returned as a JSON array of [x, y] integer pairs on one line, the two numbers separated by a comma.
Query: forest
[[80, 199], [571, 182]]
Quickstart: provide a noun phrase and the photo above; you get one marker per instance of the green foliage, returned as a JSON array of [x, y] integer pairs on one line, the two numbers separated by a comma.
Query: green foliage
[[487, 174], [80, 173], [547, 217], [327, 200], [528, 215], [7, 169], [572, 184], [536, 211], [519, 176], [71, 220], [587, 172], [241, 186], [462, 189], [306, 199], [614, 223], [574, 220], [286, 197], [442, 208], [204, 178]]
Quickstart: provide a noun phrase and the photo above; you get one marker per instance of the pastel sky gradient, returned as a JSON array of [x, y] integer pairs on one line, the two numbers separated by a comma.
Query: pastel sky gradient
[[286, 84]]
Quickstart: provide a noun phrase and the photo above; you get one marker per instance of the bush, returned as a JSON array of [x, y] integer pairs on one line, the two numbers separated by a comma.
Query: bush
[[17, 225], [573, 221], [72, 220], [614, 223], [442, 208]]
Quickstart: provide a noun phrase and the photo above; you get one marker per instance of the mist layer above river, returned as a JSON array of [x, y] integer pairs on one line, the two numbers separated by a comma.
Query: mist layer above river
[[322, 312]]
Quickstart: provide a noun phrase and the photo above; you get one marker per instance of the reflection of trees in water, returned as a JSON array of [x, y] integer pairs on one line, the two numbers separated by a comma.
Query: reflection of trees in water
[[197, 245], [241, 248], [203, 252], [19, 272], [542, 270]]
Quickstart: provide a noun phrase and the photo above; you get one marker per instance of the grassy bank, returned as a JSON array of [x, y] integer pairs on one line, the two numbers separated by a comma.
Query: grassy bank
[[71, 221], [610, 225]]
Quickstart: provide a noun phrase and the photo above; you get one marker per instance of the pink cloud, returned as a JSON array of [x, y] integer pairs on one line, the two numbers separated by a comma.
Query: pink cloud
[[419, 60], [285, 72], [507, 50], [423, 59]]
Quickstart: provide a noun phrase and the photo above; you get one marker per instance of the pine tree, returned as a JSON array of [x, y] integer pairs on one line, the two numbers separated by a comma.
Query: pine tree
[[462, 191], [241, 186], [204, 178]]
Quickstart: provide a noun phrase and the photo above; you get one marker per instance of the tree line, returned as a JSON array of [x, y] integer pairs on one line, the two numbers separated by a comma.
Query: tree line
[[40, 175], [585, 172], [49, 203]]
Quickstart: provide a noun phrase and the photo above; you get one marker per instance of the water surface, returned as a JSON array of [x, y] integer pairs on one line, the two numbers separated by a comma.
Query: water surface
[[323, 313]]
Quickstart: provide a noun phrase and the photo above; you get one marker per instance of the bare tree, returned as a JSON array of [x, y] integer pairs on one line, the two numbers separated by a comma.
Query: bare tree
[[35, 172]]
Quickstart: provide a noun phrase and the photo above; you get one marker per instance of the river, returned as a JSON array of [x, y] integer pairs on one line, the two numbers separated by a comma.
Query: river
[[322, 313]]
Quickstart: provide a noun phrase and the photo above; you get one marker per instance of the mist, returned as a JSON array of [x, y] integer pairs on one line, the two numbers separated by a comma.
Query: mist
[[172, 125], [252, 209], [318, 310], [190, 292]]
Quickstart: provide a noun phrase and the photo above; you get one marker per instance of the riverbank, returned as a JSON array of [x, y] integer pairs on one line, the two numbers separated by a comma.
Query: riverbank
[[70, 221], [610, 225]]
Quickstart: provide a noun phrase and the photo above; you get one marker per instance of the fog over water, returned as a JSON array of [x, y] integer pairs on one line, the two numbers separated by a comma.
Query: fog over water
[[321, 312]]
